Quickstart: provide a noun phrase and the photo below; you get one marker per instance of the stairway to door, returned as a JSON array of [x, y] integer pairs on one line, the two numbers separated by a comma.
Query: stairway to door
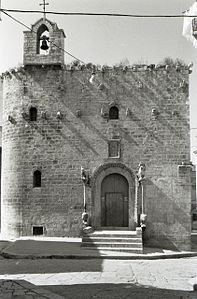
[[114, 240]]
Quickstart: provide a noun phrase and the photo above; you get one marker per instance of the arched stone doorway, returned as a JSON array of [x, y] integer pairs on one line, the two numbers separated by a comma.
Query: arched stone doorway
[[113, 197], [114, 201]]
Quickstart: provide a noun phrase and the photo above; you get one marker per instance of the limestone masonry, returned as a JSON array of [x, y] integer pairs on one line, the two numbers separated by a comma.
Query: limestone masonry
[[58, 118]]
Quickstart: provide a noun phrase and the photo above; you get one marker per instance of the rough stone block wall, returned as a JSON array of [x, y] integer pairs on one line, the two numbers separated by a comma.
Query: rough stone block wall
[[0, 159], [1, 114], [1, 101], [58, 147], [0, 136], [193, 204]]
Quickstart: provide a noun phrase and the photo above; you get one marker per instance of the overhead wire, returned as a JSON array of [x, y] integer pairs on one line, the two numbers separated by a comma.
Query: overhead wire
[[182, 15], [5, 11], [21, 23]]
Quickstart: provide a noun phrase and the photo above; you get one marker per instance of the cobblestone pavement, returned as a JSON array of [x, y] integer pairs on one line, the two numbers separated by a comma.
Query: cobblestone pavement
[[174, 274], [10, 289]]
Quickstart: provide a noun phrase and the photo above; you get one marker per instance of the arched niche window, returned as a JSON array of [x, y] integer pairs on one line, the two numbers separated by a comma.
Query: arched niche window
[[114, 112], [42, 37], [32, 114], [37, 178]]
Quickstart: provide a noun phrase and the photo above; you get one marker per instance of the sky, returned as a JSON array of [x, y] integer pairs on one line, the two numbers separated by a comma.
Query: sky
[[108, 40]]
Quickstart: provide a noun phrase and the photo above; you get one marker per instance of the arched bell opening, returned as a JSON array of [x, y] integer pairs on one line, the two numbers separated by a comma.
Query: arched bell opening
[[43, 40]]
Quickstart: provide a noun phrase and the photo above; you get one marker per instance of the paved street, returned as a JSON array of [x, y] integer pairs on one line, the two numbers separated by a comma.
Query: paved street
[[70, 278], [119, 291]]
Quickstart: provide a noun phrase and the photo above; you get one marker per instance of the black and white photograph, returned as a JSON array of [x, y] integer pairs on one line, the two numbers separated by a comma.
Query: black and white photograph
[[98, 149]]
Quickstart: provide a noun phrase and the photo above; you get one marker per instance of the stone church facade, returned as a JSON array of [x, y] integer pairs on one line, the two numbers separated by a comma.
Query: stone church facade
[[127, 128]]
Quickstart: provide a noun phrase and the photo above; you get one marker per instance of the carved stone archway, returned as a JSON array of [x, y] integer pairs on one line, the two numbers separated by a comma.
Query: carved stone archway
[[97, 179]]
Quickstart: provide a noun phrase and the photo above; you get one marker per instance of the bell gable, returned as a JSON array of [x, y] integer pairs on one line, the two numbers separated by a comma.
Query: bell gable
[[44, 44]]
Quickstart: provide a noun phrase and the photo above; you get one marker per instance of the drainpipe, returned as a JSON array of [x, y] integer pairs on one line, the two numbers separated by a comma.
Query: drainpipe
[[141, 181], [143, 216], [137, 206], [85, 179], [84, 197], [85, 215], [142, 191]]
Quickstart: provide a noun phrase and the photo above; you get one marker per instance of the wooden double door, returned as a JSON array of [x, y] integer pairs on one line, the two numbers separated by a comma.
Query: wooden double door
[[114, 201]]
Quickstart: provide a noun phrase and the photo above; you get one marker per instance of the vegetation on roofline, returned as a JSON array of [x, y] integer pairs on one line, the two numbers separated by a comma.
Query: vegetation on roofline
[[124, 65]]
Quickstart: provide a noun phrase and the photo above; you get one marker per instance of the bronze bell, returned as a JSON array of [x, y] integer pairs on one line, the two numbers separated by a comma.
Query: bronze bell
[[44, 45]]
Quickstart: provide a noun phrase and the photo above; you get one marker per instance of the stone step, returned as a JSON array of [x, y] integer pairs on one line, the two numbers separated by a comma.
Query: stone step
[[112, 228], [111, 244], [113, 234], [114, 240], [118, 249], [92, 239], [194, 237], [111, 231]]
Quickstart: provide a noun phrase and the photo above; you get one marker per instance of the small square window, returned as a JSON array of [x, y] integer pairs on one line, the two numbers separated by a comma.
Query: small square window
[[38, 230], [114, 149]]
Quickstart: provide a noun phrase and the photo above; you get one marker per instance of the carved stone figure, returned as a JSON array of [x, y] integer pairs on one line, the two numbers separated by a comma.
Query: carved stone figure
[[141, 172], [85, 176]]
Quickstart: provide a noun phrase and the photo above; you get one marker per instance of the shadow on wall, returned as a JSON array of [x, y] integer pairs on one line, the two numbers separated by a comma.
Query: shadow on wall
[[168, 224], [79, 136]]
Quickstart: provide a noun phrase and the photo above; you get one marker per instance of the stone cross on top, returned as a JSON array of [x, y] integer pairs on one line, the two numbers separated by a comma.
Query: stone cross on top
[[44, 4]]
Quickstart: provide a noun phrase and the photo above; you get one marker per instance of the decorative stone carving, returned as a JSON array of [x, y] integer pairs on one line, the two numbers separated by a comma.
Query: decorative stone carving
[[85, 218], [155, 113], [141, 172], [85, 176], [105, 166], [143, 218]]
